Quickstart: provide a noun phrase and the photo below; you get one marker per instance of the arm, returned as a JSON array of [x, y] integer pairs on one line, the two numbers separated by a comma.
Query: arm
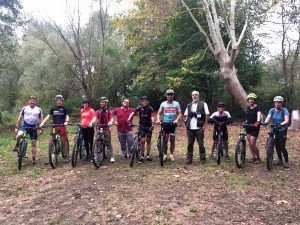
[[45, 120], [20, 118], [158, 116], [286, 120], [67, 120], [130, 117], [178, 118], [92, 121], [206, 120], [267, 120]]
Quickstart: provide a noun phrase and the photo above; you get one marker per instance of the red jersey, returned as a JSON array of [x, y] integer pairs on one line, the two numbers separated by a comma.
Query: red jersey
[[86, 116], [104, 116], [122, 117]]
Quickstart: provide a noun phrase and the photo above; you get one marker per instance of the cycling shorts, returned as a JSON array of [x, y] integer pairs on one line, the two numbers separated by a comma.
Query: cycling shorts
[[170, 129], [145, 132], [32, 133], [61, 130], [252, 131]]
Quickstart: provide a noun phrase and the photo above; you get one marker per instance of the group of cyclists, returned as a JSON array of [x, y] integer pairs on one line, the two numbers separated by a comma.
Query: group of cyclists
[[196, 117]]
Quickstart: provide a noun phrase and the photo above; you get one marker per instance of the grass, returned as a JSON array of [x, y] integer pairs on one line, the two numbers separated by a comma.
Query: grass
[[193, 209]]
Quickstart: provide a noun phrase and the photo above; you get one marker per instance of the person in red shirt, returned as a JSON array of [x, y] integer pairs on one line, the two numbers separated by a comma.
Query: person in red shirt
[[104, 116], [86, 116], [125, 133]]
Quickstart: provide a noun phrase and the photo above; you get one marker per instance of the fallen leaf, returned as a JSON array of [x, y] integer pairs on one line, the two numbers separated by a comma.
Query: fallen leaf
[[281, 202], [176, 175]]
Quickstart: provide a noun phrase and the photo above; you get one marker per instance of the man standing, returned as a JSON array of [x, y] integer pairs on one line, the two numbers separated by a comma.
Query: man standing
[[172, 113], [196, 118], [30, 115], [125, 133], [61, 119]]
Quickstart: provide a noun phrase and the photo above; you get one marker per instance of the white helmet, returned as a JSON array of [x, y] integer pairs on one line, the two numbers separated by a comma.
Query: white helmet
[[278, 99]]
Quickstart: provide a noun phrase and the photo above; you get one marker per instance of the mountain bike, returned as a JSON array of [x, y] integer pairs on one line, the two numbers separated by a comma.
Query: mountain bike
[[55, 147], [240, 147], [136, 147], [78, 148], [23, 145], [270, 144], [99, 146], [219, 142], [161, 145]]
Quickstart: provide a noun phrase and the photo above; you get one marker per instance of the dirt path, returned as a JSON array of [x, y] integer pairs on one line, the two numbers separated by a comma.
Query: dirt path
[[148, 194]]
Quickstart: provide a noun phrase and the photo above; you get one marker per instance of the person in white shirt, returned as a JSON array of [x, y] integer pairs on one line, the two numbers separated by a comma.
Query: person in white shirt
[[196, 118]]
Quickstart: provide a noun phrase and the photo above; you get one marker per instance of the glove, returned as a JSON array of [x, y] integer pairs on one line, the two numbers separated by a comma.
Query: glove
[[279, 126], [66, 123], [256, 124], [245, 122]]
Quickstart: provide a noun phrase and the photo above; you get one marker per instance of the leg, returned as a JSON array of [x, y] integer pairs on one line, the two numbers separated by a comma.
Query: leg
[[166, 138], [109, 145], [200, 140], [191, 139], [85, 137], [122, 140], [129, 140], [251, 147], [282, 140], [143, 141], [90, 138]]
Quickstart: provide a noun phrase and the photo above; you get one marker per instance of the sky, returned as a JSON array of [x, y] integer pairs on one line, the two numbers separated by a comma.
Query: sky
[[56, 9]]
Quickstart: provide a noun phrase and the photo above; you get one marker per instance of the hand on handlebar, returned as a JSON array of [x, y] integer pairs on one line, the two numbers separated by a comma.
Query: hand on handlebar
[[158, 122]]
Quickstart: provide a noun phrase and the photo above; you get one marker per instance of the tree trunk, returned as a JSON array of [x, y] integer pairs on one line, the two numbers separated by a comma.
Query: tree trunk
[[295, 120], [229, 73]]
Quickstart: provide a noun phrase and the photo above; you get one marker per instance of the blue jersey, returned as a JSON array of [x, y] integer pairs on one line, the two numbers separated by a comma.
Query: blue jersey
[[169, 110], [277, 116]]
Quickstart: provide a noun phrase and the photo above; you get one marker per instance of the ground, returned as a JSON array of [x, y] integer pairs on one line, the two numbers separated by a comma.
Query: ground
[[148, 194]]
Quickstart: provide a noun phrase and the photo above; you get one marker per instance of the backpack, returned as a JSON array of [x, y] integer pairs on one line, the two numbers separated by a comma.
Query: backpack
[[282, 115]]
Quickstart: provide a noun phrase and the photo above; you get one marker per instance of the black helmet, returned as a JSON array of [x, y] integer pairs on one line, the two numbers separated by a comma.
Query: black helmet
[[86, 100], [145, 98], [59, 97], [221, 104], [103, 99]]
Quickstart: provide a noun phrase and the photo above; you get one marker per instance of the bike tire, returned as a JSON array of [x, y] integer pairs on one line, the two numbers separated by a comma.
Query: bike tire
[[53, 154], [219, 149], [134, 153], [21, 152], [240, 153], [162, 152], [98, 153], [75, 151], [269, 153]]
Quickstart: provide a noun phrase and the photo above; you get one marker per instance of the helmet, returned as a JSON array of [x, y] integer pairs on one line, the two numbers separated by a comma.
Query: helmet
[[252, 95], [103, 99], [278, 99], [59, 97], [221, 104], [85, 100], [145, 98], [169, 91]]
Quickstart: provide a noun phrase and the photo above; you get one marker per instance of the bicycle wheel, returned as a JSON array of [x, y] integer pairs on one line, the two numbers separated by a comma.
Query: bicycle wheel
[[162, 152], [219, 149], [98, 153], [21, 153], [240, 153], [75, 151], [269, 153], [82, 150], [53, 153]]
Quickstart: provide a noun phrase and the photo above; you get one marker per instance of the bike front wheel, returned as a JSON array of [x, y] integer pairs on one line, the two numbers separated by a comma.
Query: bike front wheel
[[161, 150], [75, 151], [269, 153], [53, 153], [240, 153], [134, 152], [219, 149], [98, 153], [21, 153]]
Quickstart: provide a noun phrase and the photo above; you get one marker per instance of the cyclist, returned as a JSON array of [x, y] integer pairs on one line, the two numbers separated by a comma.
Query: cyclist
[[30, 115], [253, 117], [280, 116], [171, 114], [104, 116], [125, 133], [61, 118], [86, 116], [196, 117], [222, 118], [146, 115]]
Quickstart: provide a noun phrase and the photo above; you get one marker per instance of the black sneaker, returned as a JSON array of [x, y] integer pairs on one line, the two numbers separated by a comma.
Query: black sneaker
[[227, 158], [189, 161], [15, 148], [202, 158], [286, 165], [149, 158]]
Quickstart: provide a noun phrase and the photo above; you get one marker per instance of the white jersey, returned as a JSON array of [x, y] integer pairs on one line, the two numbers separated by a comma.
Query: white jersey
[[31, 115]]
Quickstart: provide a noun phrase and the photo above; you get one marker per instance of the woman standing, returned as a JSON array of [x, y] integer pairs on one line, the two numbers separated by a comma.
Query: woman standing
[[253, 117], [86, 116]]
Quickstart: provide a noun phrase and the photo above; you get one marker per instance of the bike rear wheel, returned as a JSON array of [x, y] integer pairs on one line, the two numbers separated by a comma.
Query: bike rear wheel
[[134, 151], [76, 150], [53, 153], [269, 153], [219, 149], [98, 153], [240, 153], [21, 153], [162, 150]]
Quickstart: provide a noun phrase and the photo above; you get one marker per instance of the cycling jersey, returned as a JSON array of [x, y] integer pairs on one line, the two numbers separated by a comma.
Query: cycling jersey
[[251, 115], [31, 116], [223, 117], [277, 116], [145, 114], [169, 110], [59, 114], [104, 116], [86, 116]]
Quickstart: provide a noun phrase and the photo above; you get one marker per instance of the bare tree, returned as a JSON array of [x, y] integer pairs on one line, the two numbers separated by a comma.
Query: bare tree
[[219, 13]]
